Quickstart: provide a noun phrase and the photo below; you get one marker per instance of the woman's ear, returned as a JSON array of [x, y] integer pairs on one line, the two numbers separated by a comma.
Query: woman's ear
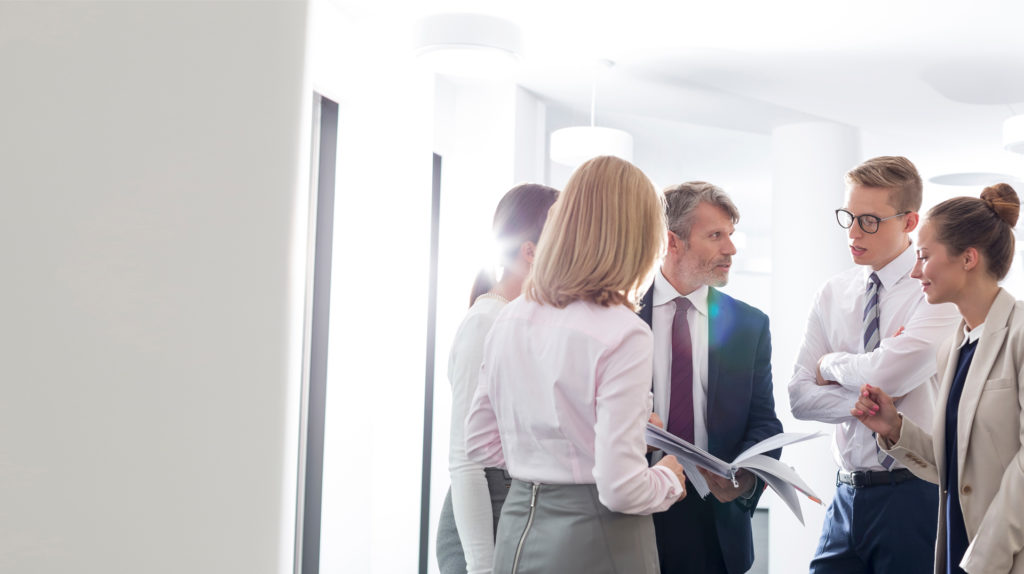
[[528, 250], [971, 258]]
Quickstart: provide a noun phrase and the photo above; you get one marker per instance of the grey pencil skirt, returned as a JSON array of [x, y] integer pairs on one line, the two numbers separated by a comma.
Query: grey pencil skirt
[[567, 530]]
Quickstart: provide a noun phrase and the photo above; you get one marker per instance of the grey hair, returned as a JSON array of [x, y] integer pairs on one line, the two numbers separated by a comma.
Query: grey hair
[[681, 201]]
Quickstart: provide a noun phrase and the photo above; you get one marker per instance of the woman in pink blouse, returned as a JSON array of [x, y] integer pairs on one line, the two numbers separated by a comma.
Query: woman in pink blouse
[[564, 389]]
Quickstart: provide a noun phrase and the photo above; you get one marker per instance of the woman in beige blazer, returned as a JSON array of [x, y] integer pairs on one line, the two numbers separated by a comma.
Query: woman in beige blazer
[[974, 450]]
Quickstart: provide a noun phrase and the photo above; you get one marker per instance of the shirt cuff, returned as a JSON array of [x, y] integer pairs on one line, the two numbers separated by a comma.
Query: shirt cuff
[[750, 492], [825, 366]]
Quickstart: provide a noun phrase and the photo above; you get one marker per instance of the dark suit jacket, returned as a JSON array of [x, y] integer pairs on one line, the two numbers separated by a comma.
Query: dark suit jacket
[[740, 407]]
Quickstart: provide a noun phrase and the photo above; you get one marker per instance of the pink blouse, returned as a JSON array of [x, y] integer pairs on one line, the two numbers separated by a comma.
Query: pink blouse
[[563, 398]]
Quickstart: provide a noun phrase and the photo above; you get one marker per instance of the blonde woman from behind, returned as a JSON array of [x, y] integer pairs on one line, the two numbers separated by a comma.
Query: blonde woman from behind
[[564, 391]]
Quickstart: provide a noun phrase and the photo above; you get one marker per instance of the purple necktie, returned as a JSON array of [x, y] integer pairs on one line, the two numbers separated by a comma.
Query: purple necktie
[[680, 410]]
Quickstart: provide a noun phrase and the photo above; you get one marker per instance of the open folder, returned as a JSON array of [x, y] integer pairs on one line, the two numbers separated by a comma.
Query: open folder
[[781, 478]]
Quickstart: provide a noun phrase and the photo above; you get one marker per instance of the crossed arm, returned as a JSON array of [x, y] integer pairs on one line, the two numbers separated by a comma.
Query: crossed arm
[[826, 383]]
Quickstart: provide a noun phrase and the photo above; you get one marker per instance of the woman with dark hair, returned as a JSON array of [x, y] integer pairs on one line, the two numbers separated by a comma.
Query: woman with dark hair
[[974, 450], [469, 517]]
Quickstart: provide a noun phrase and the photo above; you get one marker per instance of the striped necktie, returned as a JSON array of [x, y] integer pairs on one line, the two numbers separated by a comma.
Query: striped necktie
[[872, 337], [871, 334]]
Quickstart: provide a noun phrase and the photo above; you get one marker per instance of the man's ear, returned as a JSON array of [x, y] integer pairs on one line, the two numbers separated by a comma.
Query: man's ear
[[528, 250], [674, 244], [910, 221]]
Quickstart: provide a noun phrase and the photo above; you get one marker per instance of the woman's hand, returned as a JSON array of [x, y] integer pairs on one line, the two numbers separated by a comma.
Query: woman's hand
[[877, 411], [670, 462]]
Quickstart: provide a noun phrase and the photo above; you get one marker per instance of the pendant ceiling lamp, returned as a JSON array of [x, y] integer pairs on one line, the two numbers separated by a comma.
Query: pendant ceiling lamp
[[575, 145]]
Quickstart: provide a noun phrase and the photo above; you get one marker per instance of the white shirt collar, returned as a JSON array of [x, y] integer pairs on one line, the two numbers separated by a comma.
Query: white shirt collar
[[896, 269], [972, 335], [664, 293]]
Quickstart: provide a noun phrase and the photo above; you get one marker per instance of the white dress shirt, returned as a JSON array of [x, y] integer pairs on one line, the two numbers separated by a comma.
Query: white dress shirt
[[471, 497], [662, 316], [564, 397], [902, 365]]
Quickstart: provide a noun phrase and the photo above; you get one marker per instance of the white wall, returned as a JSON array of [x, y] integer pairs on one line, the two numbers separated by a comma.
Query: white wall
[[152, 231]]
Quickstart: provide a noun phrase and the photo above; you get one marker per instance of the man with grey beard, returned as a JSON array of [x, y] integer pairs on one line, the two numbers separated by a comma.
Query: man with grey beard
[[712, 381]]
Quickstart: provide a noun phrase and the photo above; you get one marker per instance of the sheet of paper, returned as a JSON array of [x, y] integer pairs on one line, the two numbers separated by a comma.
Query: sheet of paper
[[778, 441], [696, 478], [786, 492], [781, 470]]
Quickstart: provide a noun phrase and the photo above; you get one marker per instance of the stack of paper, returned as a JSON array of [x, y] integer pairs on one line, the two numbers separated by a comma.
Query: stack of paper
[[781, 478]]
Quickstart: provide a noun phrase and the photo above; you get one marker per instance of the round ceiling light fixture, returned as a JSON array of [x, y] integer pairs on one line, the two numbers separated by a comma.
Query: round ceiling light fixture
[[973, 179], [468, 45]]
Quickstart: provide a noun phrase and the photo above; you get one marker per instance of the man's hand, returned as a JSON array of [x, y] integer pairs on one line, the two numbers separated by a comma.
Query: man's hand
[[821, 380], [722, 487], [656, 421]]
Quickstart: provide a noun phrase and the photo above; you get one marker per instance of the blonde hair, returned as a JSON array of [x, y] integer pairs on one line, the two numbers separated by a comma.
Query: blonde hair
[[603, 237], [892, 172]]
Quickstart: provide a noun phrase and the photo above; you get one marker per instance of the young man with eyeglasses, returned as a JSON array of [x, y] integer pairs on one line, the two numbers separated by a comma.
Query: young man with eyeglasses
[[872, 324]]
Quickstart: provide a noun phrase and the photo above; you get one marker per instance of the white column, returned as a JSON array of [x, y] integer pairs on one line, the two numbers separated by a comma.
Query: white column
[[808, 164], [153, 239]]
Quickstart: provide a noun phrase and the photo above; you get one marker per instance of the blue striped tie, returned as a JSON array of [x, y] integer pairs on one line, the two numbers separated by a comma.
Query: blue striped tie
[[872, 337]]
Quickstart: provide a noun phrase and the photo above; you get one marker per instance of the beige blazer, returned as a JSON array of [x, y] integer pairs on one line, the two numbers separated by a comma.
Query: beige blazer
[[989, 443]]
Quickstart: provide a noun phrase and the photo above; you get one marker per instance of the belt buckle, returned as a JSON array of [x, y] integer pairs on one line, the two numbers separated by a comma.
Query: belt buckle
[[857, 478]]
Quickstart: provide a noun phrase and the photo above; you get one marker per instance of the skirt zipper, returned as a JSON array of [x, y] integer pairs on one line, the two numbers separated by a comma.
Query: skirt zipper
[[529, 522]]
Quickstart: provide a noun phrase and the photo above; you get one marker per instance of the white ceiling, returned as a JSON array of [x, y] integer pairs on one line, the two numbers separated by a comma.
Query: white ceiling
[[929, 80]]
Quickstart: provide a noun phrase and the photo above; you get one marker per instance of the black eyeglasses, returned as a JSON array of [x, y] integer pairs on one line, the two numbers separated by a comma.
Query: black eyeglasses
[[869, 223]]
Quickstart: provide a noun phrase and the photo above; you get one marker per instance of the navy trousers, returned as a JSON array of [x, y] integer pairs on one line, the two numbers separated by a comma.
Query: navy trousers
[[687, 537], [879, 529]]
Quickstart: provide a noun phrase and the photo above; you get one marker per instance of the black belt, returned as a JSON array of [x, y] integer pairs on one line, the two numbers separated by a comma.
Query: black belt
[[498, 474], [866, 478]]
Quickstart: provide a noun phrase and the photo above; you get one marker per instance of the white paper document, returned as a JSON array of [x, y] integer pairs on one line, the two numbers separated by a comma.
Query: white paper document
[[780, 477]]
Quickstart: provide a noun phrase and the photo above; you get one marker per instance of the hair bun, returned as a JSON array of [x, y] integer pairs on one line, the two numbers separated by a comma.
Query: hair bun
[[1003, 200]]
